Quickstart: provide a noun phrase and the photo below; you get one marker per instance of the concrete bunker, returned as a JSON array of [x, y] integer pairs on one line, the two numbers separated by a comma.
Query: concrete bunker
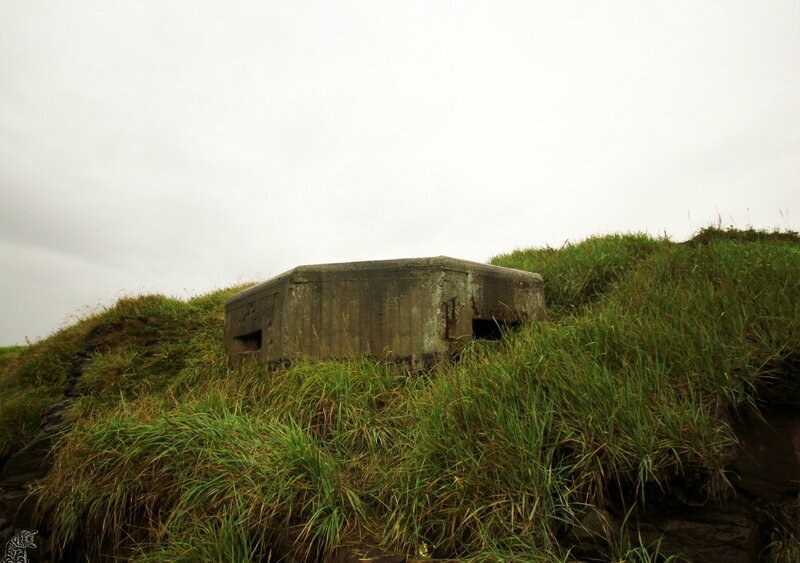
[[417, 309]]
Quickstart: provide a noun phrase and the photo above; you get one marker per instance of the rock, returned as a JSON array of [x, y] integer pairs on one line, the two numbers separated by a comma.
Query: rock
[[590, 539], [17, 505], [721, 535], [30, 463], [711, 534], [768, 462], [21, 471], [33, 461], [55, 415]]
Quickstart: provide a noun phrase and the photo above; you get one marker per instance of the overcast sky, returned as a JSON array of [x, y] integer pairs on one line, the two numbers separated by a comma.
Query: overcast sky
[[182, 146]]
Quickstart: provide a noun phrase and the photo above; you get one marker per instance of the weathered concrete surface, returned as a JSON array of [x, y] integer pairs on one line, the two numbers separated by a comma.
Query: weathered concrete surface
[[412, 308]]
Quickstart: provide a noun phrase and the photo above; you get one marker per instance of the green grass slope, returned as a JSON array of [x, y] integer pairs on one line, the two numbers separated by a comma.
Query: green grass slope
[[648, 347]]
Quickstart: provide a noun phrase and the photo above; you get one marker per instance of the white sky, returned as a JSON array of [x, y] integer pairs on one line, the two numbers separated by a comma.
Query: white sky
[[182, 146]]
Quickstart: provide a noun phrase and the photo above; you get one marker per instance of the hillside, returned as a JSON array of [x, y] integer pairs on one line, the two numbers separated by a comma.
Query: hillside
[[587, 436]]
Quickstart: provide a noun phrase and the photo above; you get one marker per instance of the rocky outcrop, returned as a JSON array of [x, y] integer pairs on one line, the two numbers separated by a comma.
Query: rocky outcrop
[[718, 532], [764, 471], [21, 472], [768, 462], [32, 462]]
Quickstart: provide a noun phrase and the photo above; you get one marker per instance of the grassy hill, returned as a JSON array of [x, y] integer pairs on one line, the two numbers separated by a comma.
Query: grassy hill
[[649, 351]]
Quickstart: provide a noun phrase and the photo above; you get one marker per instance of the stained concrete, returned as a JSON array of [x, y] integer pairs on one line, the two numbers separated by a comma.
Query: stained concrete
[[406, 309]]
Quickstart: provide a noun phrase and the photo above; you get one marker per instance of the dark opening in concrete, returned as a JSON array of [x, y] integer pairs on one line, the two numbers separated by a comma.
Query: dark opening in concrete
[[491, 329], [250, 342]]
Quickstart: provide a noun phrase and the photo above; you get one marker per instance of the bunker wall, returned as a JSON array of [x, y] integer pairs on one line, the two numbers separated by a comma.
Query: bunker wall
[[404, 309]]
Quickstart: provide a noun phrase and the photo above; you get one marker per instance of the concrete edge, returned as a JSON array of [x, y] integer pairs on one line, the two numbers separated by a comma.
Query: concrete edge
[[303, 274]]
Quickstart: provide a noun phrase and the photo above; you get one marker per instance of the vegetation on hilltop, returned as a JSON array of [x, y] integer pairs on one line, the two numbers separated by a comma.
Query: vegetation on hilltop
[[648, 347], [8, 353]]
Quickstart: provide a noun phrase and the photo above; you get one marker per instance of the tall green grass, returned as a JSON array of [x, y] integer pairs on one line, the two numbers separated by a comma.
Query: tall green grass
[[33, 378], [578, 274], [159, 476], [648, 349], [8, 353]]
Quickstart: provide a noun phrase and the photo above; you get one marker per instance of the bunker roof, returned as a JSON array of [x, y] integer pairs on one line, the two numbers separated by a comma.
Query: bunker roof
[[343, 270]]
